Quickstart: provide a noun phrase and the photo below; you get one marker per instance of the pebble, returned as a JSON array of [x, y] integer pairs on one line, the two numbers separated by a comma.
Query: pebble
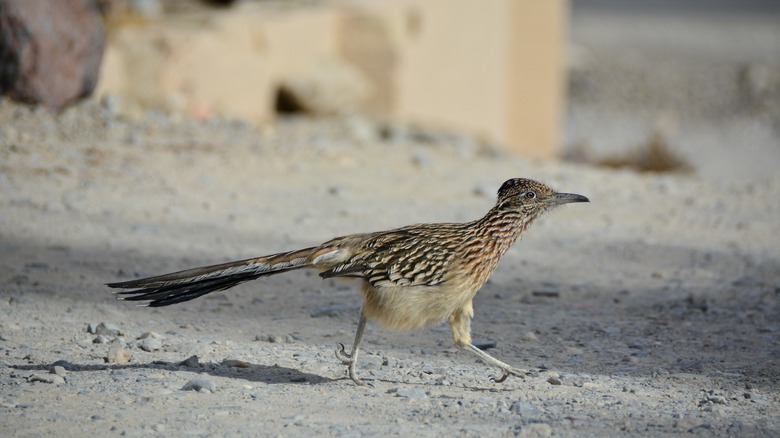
[[150, 344], [154, 335], [275, 339], [58, 370], [190, 362], [546, 293], [117, 354], [200, 384], [150, 341], [530, 337], [106, 329], [47, 378], [717, 399], [554, 381]]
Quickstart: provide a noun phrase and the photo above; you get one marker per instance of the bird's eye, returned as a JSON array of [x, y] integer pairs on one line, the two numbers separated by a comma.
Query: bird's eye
[[530, 195]]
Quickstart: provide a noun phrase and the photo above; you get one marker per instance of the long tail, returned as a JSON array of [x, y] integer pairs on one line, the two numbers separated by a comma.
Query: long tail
[[177, 287]]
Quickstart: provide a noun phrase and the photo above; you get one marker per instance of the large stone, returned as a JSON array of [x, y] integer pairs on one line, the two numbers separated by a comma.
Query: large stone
[[50, 51]]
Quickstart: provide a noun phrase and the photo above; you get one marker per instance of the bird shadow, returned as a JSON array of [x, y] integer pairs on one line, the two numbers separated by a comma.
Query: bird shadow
[[269, 374]]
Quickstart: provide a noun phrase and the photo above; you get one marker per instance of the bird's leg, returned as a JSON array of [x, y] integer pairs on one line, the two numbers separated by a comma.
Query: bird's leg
[[351, 358], [460, 323], [506, 370]]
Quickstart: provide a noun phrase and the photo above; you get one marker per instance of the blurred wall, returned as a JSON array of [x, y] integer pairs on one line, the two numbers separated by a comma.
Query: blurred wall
[[494, 69]]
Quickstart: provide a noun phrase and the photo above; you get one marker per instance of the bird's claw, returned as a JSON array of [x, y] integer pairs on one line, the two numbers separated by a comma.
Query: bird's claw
[[504, 376], [342, 355], [506, 372]]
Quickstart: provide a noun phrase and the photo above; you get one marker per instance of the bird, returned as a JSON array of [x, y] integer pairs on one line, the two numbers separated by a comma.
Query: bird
[[412, 277]]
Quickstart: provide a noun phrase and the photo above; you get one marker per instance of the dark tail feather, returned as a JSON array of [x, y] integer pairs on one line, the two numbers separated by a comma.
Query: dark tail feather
[[177, 287]]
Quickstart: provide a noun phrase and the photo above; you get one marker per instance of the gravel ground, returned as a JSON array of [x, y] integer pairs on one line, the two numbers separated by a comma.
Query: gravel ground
[[654, 310]]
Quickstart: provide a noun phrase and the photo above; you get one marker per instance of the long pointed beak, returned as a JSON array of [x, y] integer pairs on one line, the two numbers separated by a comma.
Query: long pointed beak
[[566, 198]]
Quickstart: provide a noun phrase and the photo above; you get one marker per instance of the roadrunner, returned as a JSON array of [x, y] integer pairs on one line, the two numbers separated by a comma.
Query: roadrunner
[[413, 276]]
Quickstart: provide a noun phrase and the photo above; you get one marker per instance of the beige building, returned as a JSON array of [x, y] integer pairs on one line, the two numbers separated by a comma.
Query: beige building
[[493, 68]]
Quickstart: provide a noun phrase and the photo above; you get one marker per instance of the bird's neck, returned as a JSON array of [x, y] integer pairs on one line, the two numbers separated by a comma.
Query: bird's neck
[[502, 225], [490, 238]]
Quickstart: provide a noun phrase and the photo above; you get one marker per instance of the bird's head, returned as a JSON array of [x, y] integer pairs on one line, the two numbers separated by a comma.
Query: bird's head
[[532, 197]]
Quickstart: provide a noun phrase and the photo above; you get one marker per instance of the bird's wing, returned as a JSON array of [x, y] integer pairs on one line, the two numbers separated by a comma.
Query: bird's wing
[[409, 256]]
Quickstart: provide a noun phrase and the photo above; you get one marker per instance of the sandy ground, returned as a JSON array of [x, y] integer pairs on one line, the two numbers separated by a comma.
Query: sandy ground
[[652, 311]]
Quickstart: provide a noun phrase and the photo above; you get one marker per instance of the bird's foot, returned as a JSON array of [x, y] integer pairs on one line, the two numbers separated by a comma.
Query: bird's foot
[[349, 360], [517, 372], [355, 378]]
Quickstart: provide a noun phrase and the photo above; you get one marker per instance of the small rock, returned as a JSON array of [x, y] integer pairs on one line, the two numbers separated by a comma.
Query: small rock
[[150, 344], [117, 354], [100, 339], [58, 370], [275, 339], [546, 293], [152, 335], [47, 378], [531, 337], [611, 330], [106, 329], [554, 381], [92, 328], [200, 384], [190, 362]]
